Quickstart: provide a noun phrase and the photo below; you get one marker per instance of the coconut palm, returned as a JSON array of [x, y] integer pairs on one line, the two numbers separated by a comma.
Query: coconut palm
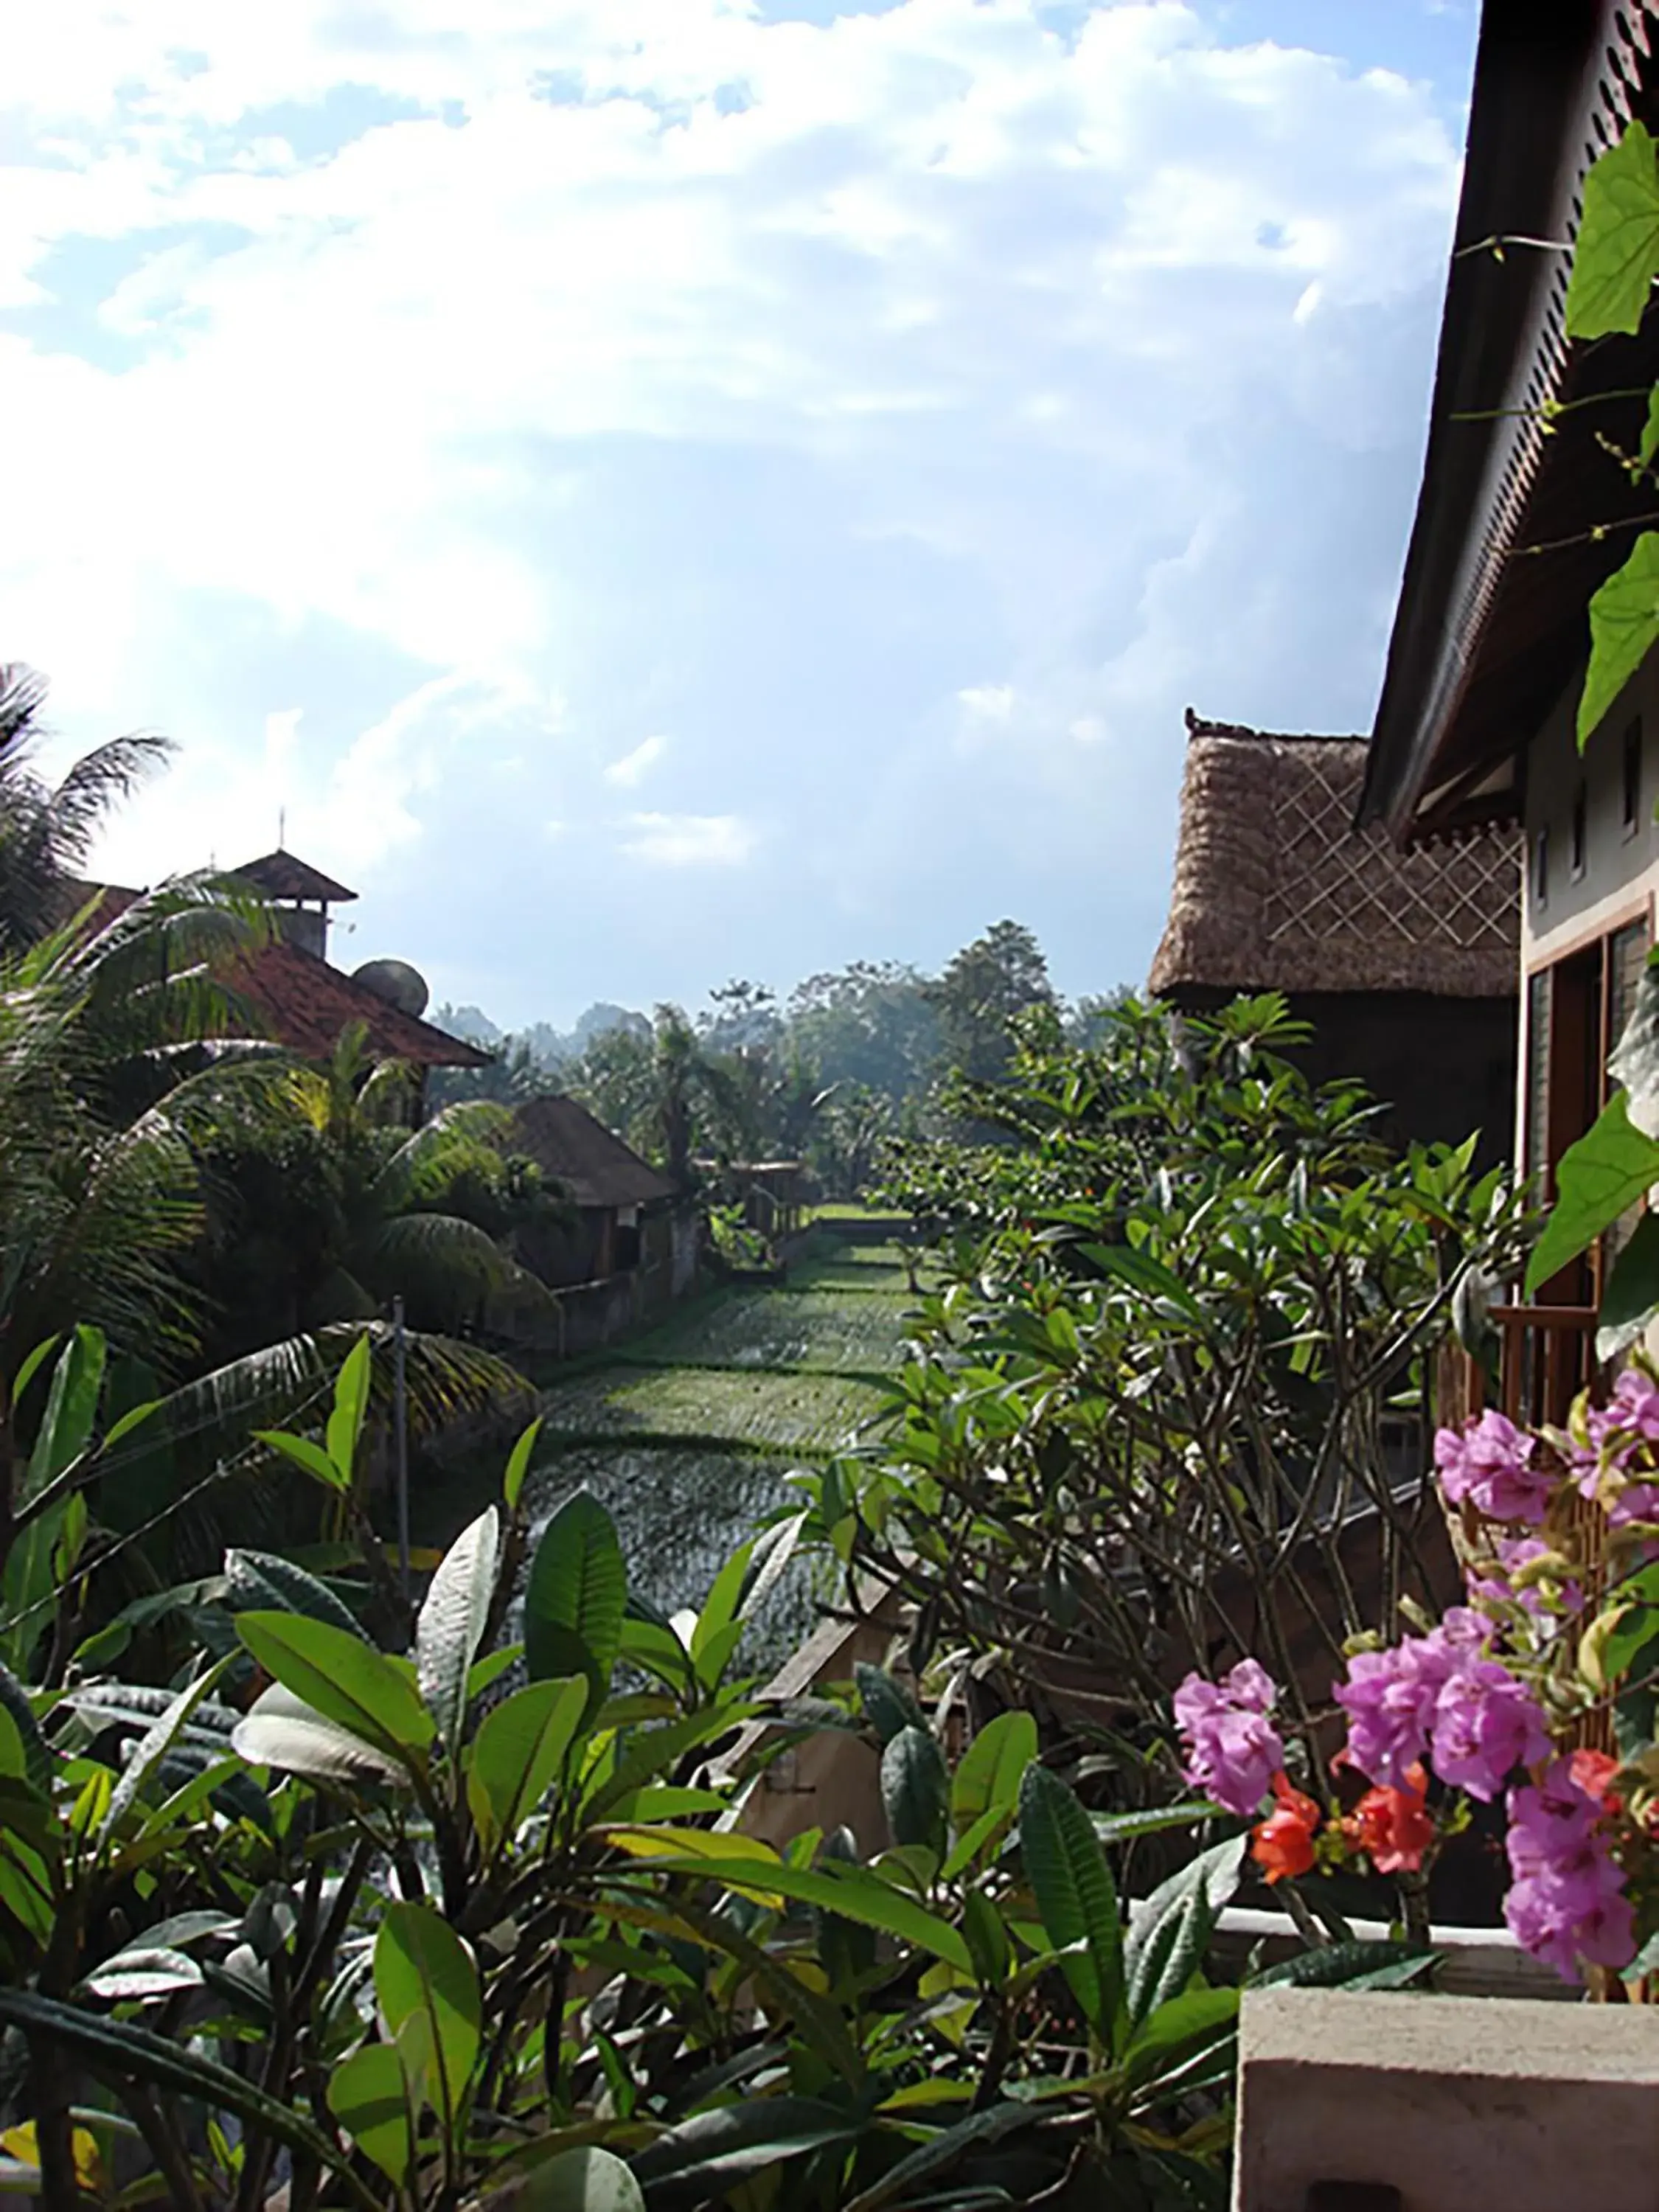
[[325, 1206], [46, 831]]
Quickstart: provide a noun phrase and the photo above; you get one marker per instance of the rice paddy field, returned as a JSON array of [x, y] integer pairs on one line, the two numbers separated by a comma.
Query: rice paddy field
[[688, 1433]]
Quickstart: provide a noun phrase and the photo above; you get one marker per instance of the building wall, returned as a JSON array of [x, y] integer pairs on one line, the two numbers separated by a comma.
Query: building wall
[[1619, 878], [1620, 860]]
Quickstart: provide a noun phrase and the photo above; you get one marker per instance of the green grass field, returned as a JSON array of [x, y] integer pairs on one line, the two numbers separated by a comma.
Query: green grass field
[[687, 1432]]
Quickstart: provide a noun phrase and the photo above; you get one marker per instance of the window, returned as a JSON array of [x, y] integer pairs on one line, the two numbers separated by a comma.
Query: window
[[1632, 809], [1580, 831], [1540, 868], [1576, 1012]]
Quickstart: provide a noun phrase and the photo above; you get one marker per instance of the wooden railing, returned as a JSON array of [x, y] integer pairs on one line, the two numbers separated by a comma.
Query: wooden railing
[[1547, 1357]]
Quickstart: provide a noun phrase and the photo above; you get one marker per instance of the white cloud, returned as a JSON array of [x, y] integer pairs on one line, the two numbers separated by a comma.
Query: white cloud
[[561, 391], [633, 766], [989, 702], [689, 840]]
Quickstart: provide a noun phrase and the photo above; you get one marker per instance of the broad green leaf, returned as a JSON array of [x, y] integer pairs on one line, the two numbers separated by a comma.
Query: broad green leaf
[[31, 1365], [518, 1752], [1616, 254], [261, 1582], [142, 1972], [341, 1678], [854, 1893], [37, 1761], [702, 2157], [424, 1972], [651, 1752], [345, 1422], [1650, 443], [1600, 1178], [304, 1454], [587, 2178], [1632, 1296], [768, 1557], [518, 1466], [1075, 1896], [1150, 1820], [1624, 624], [1179, 2028], [1335, 1965], [129, 2053], [281, 1730], [987, 1939], [943, 2150], [987, 1776], [154, 1744], [1142, 1273], [888, 1705], [915, 1789], [1169, 1933], [451, 1623], [719, 1608], [492, 1668], [575, 1597], [71, 1412], [366, 2096]]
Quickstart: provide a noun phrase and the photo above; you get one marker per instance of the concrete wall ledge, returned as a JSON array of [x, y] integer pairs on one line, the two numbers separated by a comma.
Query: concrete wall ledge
[[1442, 2103]]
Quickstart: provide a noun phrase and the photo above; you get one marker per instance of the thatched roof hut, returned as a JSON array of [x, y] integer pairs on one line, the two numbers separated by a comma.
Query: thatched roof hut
[[1276, 890], [1391, 955]]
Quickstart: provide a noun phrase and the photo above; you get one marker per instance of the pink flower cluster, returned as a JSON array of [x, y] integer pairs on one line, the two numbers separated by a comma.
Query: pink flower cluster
[[1567, 1901], [1489, 1462], [1497, 1586], [1626, 1427], [1441, 1694], [1233, 1749]]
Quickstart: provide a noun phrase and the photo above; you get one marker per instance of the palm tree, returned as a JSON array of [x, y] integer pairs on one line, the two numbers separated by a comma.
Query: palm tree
[[326, 1205], [46, 831]]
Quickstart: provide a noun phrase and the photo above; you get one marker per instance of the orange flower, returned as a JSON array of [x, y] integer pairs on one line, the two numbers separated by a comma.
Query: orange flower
[[1283, 1845], [1394, 1827]]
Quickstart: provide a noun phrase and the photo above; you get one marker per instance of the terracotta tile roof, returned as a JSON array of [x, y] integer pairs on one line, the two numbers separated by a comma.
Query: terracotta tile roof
[[283, 876], [305, 1004], [595, 1167]]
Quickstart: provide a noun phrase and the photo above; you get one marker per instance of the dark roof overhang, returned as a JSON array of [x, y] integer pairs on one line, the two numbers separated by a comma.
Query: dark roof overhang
[[1489, 632]]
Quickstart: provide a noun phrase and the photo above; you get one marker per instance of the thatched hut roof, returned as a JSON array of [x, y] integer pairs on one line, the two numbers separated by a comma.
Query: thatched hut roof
[[1276, 890]]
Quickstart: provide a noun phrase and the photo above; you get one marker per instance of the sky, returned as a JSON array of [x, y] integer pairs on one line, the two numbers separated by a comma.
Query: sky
[[648, 491]]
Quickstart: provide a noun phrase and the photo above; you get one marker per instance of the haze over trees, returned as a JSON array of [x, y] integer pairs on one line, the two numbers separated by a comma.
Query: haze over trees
[[851, 1060]]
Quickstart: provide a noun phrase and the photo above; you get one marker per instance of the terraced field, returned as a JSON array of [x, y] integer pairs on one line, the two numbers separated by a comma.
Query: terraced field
[[689, 1432]]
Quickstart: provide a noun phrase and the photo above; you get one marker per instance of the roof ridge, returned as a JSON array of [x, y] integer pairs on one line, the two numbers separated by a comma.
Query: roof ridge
[[1198, 726]]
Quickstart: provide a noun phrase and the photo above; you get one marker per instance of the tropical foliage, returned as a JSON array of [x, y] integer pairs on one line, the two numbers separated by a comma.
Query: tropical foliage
[[478, 1919], [1170, 1401]]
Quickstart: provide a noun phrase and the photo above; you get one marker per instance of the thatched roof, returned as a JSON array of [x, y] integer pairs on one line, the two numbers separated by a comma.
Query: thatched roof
[[596, 1168], [1275, 890]]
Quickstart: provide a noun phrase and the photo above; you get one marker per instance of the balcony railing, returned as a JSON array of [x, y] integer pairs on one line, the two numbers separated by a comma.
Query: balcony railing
[[1548, 1356]]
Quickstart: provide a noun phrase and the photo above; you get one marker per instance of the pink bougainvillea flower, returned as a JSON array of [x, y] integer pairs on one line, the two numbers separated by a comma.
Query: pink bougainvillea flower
[[1567, 1902], [1486, 1724], [1489, 1462], [1233, 1749], [1394, 1827], [1283, 1845]]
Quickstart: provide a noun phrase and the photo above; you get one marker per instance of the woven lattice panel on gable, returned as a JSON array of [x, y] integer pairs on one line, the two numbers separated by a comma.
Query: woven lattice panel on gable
[[1274, 891], [1332, 882]]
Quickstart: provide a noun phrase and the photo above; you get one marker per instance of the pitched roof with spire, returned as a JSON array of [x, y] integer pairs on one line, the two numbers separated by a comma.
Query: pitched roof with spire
[[282, 875]]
